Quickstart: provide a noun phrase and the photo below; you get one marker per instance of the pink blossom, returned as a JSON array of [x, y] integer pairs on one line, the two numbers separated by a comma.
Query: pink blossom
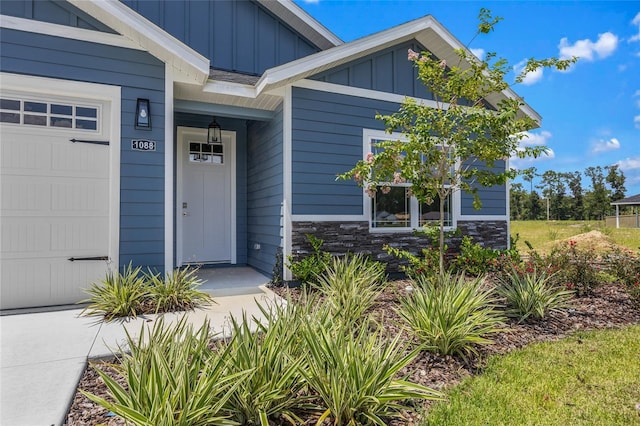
[[386, 189], [370, 158], [398, 179], [423, 59], [371, 191], [412, 56], [357, 177], [443, 64]]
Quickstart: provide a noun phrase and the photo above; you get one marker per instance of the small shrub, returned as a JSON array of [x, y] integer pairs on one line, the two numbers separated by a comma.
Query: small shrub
[[351, 285], [475, 259], [425, 265], [309, 268], [530, 293], [178, 291], [118, 295], [625, 266], [451, 314], [572, 267], [353, 372], [171, 378]]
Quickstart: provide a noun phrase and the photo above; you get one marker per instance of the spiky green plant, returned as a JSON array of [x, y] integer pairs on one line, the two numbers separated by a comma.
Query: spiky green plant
[[118, 295], [351, 285], [177, 291], [531, 293], [171, 378], [274, 387], [451, 314], [353, 372]]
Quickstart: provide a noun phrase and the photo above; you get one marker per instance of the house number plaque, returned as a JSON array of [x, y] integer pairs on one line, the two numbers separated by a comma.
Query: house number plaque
[[143, 145]]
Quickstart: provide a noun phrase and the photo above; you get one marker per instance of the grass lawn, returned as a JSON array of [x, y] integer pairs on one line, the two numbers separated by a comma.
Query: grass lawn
[[542, 234], [591, 378]]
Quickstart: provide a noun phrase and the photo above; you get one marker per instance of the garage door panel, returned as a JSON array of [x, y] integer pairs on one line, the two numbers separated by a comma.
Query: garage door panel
[[55, 206], [67, 282]]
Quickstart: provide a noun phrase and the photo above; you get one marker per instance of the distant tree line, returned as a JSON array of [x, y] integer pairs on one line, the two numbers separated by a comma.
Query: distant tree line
[[562, 196]]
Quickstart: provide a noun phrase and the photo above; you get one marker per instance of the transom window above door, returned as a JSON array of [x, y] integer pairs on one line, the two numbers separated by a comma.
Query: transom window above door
[[200, 152]]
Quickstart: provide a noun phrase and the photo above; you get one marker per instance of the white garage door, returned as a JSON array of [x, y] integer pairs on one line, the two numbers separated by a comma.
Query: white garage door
[[55, 227]]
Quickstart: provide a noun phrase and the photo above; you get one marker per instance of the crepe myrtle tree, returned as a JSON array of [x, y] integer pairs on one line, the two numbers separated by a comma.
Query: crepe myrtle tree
[[446, 143]]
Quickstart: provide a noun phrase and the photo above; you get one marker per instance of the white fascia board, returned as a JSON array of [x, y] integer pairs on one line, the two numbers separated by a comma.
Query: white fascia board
[[65, 31], [232, 89], [455, 44], [317, 62], [302, 22], [312, 64], [149, 37]]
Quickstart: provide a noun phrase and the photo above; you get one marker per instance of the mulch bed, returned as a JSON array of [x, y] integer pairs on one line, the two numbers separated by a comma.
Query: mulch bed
[[608, 307]]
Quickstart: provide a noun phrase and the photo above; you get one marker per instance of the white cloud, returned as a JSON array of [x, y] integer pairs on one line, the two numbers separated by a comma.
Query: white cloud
[[530, 77], [478, 52], [636, 121], [629, 164], [605, 145], [532, 139], [587, 49], [311, 1], [636, 22], [535, 139]]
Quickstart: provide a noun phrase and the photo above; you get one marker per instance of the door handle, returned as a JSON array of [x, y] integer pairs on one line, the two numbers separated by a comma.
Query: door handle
[[185, 213]]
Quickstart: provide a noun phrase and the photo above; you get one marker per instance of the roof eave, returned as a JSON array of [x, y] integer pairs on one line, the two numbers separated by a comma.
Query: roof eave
[[427, 30], [188, 65]]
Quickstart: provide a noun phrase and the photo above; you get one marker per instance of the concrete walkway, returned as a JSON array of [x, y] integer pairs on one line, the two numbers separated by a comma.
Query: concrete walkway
[[43, 355]]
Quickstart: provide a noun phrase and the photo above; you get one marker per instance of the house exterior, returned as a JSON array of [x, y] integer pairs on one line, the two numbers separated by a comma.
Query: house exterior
[[104, 113]]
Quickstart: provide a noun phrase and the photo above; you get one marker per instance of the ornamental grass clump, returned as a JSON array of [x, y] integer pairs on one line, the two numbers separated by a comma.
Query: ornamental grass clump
[[273, 388], [118, 295], [178, 291], [171, 378], [353, 371], [351, 285], [531, 292], [451, 314]]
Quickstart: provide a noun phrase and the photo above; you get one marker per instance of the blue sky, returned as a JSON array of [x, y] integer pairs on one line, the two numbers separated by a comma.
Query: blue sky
[[591, 114]]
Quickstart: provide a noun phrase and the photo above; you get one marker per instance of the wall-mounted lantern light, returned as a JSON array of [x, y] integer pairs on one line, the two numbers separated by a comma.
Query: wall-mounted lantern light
[[214, 133], [143, 115]]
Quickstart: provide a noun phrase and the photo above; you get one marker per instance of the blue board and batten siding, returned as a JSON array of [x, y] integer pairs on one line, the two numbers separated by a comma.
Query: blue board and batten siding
[[139, 75], [240, 128], [327, 140], [265, 192], [385, 71], [238, 36]]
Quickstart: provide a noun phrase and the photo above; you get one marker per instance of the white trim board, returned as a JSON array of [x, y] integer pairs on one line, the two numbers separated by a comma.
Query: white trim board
[[169, 178], [65, 31], [287, 132], [90, 91], [328, 218]]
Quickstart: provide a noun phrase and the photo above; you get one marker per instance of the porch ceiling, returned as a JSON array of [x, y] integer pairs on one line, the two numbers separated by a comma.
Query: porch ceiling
[[227, 94]]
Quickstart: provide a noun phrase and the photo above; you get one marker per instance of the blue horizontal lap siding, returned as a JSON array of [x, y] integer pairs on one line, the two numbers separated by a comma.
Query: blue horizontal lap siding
[[238, 36], [265, 192], [386, 71], [54, 12], [182, 119], [140, 76], [327, 141], [493, 199]]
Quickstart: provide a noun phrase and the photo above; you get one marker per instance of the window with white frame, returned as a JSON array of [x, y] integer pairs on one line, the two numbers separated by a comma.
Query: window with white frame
[[393, 208]]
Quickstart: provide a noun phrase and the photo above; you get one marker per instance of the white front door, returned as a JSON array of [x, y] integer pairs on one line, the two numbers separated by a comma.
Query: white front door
[[205, 198]]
